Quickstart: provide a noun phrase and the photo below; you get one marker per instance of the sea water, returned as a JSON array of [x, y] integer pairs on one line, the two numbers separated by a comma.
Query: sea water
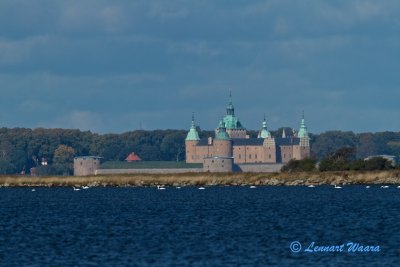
[[218, 226]]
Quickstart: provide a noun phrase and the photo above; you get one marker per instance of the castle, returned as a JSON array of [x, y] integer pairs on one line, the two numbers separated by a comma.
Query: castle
[[233, 146]]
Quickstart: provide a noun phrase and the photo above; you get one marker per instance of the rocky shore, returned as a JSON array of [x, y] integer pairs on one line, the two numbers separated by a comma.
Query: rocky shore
[[209, 179]]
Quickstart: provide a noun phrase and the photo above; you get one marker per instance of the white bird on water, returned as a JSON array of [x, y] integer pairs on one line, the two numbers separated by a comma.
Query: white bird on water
[[384, 186], [33, 190], [85, 187], [76, 189], [338, 187], [253, 186], [311, 185], [201, 188], [160, 187], [367, 186]]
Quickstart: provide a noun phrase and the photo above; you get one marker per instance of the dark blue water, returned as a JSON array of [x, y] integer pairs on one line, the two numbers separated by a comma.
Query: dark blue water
[[219, 226]]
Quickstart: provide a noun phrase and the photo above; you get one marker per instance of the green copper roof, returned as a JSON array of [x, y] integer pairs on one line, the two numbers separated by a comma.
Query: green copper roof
[[220, 132], [192, 135], [264, 133], [303, 129], [230, 120]]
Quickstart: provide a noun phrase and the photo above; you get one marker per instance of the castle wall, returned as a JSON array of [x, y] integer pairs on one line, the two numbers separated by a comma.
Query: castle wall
[[261, 167], [301, 152], [286, 153], [146, 171], [248, 154], [270, 151]]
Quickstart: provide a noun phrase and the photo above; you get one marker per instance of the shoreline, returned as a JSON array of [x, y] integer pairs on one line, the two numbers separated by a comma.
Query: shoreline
[[209, 179]]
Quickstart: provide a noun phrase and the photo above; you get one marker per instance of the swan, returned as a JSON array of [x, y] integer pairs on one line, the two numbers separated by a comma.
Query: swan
[[253, 186], [201, 188], [85, 187], [76, 189], [384, 186], [398, 186], [367, 186], [178, 187], [33, 190], [338, 187], [311, 185], [160, 187]]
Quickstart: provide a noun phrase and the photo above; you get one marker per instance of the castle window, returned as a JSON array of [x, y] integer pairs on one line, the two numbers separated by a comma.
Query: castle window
[[192, 156], [223, 161], [269, 155], [255, 156], [240, 156], [249, 156], [284, 156]]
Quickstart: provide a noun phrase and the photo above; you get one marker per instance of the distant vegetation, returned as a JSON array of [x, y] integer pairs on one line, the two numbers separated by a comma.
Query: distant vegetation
[[344, 159], [22, 149]]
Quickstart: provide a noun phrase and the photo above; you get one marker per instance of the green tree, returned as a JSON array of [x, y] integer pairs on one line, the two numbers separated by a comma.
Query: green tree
[[63, 159], [304, 165]]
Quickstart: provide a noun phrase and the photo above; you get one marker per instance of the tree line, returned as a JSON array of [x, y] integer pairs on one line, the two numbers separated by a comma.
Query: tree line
[[22, 148]]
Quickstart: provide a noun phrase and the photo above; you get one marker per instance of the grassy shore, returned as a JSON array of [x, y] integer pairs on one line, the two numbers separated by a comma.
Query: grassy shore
[[209, 179]]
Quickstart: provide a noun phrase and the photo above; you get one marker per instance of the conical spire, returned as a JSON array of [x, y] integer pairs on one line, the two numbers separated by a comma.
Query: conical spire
[[192, 135], [303, 133], [230, 110], [283, 133], [264, 133]]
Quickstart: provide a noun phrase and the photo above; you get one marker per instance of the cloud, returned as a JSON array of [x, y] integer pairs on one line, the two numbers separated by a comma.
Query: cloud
[[113, 65]]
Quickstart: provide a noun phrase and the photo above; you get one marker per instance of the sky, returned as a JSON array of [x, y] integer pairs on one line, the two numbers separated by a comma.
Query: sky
[[117, 66]]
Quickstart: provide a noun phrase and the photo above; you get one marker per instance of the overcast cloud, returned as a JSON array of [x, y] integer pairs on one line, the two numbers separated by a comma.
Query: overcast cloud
[[115, 66]]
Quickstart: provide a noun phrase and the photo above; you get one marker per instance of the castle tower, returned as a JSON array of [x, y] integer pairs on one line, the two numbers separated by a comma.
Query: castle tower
[[264, 133], [303, 150], [234, 128], [191, 141], [222, 142]]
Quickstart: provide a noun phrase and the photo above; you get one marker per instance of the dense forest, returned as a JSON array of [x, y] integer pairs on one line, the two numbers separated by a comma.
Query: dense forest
[[21, 148]]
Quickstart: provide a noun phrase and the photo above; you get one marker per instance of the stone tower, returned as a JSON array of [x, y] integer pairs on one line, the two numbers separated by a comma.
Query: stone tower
[[302, 151], [191, 141], [222, 142]]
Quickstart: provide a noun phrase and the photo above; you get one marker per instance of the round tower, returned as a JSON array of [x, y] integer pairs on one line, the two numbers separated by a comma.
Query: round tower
[[222, 142], [191, 142]]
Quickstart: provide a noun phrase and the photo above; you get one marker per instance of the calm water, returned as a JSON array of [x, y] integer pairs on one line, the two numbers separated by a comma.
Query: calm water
[[219, 226]]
